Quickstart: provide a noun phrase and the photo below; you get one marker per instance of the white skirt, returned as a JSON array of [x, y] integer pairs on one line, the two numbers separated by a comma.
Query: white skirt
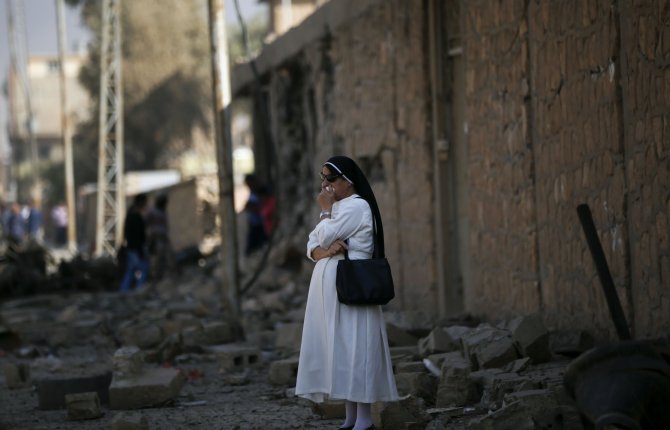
[[344, 352]]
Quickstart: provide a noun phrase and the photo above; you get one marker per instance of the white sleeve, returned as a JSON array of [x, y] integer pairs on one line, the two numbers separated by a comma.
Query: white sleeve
[[312, 243], [345, 222]]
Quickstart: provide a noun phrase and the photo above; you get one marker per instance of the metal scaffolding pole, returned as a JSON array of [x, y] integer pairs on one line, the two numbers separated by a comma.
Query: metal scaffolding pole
[[221, 98], [67, 135], [111, 192]]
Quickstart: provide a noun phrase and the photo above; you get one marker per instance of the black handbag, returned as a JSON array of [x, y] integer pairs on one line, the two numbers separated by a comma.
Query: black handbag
[[364, 282]]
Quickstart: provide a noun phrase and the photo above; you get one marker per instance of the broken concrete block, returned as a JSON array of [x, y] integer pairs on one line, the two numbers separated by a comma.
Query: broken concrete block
[[503, 384], [417, 384], [168, 349], [330, 409], [145, 335], [83, 406], [235, 357], [153, 387], [284, 372], [217, 332], [289, 336], [532, 337], [397, 415], [404, 353], [442, 339], [456, 388], [16, 375], [570, 343], [264, 339], [128, 421], [410, 366], [51, 390], [127, 361], [533, 410], [399, 337], [489, 347], [518, 365]]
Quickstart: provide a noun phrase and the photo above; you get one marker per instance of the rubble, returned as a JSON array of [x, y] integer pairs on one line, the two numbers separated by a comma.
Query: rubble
[[83, 406], [455, 373]]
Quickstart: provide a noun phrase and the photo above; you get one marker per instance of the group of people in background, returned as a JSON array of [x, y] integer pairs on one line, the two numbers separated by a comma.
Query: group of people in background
[[19, 223], [146, 249]]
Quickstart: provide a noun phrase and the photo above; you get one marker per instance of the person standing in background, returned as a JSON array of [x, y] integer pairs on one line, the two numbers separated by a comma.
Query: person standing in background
[[158, 237], [16, 228], [59, 219], [256, 236], [34, 221], [134, 234]]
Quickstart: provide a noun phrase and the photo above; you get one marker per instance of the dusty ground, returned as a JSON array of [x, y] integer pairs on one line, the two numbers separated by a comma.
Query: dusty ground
[[255, 405]]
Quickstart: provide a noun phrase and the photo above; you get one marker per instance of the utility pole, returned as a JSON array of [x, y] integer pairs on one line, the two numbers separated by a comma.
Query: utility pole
[[67, 135], [224, 154], [19, 65], [111, 191]]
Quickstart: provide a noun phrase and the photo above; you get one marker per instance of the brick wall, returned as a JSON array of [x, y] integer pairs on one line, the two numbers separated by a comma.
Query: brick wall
[[591, 132], [566, 102]]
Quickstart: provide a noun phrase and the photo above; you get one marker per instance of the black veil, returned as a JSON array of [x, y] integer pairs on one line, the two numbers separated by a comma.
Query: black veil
[[350, 170]]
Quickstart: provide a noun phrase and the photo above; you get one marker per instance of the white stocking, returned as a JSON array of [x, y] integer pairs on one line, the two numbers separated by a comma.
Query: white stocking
[[350, 419], [363, 416]]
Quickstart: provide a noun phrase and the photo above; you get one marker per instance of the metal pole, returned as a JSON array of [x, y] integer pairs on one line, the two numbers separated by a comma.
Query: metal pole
[[111, 189], [67, 135], [221, 98]]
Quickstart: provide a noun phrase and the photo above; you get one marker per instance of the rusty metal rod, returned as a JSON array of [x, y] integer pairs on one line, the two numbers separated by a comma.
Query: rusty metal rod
[[613, 303]]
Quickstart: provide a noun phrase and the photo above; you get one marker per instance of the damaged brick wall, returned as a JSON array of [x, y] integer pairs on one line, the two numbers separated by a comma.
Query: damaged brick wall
[[353, 92], [574, 93], [566, 102], [645, 54]]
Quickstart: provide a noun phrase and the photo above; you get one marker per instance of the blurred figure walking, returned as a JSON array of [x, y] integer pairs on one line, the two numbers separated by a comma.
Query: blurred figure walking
[[134, 234], [60, 220], [158, 237]]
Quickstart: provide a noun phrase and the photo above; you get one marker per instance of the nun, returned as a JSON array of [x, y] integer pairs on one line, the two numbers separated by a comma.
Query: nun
[[344, 353]]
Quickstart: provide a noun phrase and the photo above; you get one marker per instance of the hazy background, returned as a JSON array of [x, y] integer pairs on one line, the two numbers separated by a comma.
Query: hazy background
[[42, 37]]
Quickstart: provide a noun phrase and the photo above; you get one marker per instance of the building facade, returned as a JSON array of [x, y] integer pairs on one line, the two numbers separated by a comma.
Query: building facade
[[482, 126]]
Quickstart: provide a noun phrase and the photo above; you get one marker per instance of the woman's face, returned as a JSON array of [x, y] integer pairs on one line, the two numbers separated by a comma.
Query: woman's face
[[341, 187]]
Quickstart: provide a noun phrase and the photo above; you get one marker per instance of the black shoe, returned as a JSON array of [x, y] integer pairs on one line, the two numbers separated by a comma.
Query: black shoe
[[346, 428]]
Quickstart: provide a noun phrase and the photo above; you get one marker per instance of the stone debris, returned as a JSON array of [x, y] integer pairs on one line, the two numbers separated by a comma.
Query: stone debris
[[456, 373], [83, 406], [16, 375], [152, 387], [129, 421]]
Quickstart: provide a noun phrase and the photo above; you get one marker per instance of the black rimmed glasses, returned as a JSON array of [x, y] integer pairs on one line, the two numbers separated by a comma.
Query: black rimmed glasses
[[330, 178]]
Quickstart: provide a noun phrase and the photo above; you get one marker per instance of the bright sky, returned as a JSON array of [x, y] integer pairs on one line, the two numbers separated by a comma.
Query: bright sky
[[42, 36]]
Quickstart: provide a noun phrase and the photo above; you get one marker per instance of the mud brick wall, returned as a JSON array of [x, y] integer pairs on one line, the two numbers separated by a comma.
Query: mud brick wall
[[353, 92], [645, 53], [566, 102], [503, 237]]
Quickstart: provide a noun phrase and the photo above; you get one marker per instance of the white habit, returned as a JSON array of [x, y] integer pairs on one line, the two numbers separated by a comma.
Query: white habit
[[344, 352]]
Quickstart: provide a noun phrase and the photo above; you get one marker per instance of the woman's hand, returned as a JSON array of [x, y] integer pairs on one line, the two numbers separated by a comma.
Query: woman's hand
[[337, 247], [326, 198]]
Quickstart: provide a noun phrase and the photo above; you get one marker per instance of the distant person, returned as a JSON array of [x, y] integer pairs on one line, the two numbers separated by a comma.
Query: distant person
[[60, 220], [16, 228], [134, 235], [267, 211], [158, 237], [256, 236], [34, 221]]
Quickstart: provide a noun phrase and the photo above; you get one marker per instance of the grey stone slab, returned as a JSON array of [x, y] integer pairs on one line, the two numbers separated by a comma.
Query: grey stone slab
[[51, 391], [153, 387]]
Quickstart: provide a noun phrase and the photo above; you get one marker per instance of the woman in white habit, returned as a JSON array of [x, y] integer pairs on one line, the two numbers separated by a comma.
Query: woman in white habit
[[344, 352]]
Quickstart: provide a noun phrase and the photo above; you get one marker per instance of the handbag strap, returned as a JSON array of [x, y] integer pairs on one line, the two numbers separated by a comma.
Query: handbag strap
[[374, 239]]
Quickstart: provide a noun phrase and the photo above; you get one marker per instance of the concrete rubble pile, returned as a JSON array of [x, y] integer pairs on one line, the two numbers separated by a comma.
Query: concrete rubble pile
[[89, 351]]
